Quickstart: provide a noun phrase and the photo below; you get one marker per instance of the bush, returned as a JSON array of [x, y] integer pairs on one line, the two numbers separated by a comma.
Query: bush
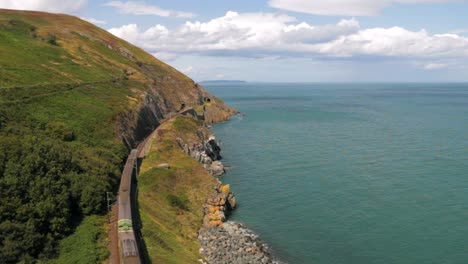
[[179, 202], [60, 131], [52, 40]]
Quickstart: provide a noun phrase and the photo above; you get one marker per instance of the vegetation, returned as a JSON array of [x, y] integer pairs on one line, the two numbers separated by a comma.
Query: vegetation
[[52, 40], [65, 85], [171, 200], [61, 91], [179, 202], [89, 230]]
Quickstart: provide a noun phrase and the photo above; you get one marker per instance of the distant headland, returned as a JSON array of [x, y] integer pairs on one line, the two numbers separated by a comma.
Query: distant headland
[[222, 81]]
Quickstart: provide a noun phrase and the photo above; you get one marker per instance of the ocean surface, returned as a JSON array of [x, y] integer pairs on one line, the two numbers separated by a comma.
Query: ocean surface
[[350, 173]]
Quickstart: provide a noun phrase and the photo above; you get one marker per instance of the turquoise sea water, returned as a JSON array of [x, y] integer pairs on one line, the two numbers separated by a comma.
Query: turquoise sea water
[[351, 173]]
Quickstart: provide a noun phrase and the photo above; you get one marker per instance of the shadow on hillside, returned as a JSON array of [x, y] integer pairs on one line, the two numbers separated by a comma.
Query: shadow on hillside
[[138, 224]]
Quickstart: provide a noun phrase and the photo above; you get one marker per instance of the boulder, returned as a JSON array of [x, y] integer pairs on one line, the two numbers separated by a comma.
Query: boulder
[[164, 166], [231, 200], [216, 168], [212, 148]]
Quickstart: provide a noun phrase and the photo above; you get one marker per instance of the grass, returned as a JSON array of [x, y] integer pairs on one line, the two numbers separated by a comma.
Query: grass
[[171, 200], [91, 238]]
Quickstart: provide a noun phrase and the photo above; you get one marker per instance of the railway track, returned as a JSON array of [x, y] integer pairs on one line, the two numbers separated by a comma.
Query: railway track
[[126, 233]]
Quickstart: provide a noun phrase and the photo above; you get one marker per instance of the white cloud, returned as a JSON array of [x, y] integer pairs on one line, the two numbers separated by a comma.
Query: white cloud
[[188, 69], [459, 31], [397, 42], [435, 66], [94, 20], [57, 6], [262, 32], [164, 56], [344, 7], [129, 32], [141, 8], [277, 35]]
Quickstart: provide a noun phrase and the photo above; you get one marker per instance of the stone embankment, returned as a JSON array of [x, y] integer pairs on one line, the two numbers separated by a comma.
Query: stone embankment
[[225, 241], [232, 243]]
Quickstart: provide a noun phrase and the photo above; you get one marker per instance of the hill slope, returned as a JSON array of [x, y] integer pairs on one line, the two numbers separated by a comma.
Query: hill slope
[[73, 99]]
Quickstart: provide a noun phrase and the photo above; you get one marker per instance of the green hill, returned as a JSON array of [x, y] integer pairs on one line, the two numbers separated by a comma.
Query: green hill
[[73, 100]]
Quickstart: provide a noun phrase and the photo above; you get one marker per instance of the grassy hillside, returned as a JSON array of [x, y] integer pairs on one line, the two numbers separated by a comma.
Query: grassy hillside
[[65, 87], [171, 200]]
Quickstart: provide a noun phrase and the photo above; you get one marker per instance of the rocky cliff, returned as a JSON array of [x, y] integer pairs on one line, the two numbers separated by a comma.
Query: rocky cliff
[[156, 104], [206, 152]]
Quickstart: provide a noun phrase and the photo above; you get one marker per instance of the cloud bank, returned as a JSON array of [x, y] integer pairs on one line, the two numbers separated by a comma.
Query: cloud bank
[[344, 7], [270, 34], [141, 8], [56, 6]]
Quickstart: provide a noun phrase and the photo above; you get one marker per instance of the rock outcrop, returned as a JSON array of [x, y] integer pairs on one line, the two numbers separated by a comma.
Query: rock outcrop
[[206, 152], [220, 204], [221, 201]]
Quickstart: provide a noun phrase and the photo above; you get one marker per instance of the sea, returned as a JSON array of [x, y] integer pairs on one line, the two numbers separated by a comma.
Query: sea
[[350, 173]]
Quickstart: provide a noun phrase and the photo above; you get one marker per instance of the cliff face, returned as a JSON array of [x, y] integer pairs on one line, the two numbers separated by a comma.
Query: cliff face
[[156, 104]]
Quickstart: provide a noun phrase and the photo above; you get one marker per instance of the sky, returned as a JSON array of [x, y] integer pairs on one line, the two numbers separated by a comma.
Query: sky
[[288, 40]]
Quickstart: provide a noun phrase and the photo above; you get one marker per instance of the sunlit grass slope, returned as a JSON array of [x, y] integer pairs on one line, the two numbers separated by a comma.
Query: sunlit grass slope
[[171, 200]]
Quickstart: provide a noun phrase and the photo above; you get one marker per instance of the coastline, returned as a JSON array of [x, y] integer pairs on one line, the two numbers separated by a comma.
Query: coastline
[[186, 154], [221, 240]]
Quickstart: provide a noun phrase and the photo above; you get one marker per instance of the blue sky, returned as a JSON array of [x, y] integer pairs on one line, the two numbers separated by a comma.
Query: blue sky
[[289, 40]]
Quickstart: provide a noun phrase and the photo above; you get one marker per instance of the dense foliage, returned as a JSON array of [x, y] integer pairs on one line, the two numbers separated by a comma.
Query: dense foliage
[[48, 181], [58, 151]]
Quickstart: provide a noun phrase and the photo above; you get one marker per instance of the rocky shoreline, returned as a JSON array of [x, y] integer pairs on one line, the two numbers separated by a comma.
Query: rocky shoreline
[[223, 241], [231, 242]]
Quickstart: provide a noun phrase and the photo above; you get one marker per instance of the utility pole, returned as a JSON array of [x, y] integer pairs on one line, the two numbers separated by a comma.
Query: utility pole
[[135, 167], [108, 196]]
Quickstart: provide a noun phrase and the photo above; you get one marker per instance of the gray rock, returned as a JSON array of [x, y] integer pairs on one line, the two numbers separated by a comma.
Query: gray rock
[[206, 153], [234, 244], [216, 168]]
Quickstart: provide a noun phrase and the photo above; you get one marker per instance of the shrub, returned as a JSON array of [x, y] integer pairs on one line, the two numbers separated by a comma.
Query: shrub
[[52, 40], [179, 202], [60, 131]]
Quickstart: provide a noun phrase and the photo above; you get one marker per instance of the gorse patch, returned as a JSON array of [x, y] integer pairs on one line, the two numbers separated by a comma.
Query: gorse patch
[[179, 202], [52, 40]]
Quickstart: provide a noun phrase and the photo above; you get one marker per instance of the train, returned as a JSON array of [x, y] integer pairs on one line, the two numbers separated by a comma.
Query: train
[[126, 232]]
